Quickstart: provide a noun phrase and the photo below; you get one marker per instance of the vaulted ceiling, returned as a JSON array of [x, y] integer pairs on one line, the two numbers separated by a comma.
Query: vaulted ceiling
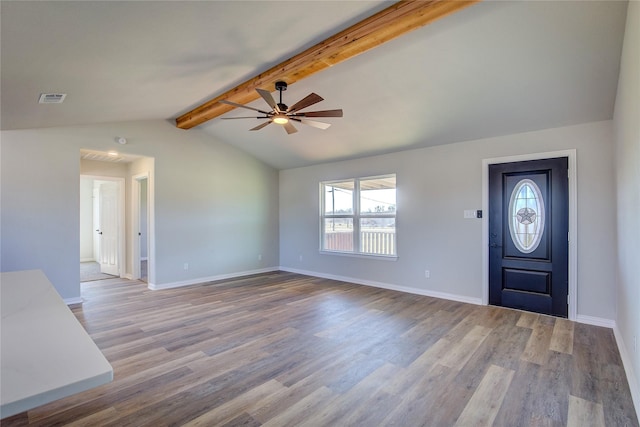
[[494, 68]]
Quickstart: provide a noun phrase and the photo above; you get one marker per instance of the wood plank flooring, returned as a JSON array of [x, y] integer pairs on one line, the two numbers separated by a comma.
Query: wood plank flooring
[[281, 349]]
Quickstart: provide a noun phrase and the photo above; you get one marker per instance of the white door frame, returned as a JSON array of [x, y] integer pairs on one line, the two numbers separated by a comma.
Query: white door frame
[[121, 217], [573, 221], [135, 227]]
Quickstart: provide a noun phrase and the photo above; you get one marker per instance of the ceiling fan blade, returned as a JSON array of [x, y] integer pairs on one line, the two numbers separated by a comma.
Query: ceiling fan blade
[[326, 113], [289, 128], [315, 124], [224, 101], [266, 95], [261, 125], [310, 99]]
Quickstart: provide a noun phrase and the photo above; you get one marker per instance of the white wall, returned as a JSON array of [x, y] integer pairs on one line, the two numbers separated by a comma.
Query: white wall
[[627, 142], [435, 185], [216, 207]]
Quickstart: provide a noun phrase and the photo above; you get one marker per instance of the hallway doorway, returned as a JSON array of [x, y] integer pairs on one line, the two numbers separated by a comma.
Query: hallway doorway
[[101, 227]]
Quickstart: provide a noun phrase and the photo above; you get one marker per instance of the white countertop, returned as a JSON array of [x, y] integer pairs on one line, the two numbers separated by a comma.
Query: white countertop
[[45, 353]]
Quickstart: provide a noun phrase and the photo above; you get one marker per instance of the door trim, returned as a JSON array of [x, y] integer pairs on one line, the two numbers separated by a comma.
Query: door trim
[[135, 225], [573, 220]]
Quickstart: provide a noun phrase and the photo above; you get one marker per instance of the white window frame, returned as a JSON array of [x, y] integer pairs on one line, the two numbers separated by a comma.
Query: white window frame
[[356, 216]]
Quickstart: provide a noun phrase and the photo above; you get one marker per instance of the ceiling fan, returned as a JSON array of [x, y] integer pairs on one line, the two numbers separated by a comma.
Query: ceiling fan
[[283, 115]]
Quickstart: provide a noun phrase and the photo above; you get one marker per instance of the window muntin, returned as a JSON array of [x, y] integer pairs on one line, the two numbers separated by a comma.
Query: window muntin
[[359, 216], [526, 216]]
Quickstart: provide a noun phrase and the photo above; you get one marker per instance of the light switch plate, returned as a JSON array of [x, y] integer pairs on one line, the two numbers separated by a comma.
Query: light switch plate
[[469, 213]]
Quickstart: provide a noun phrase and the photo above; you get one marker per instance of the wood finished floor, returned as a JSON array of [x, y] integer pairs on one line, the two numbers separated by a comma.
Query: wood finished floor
[[283, 349]]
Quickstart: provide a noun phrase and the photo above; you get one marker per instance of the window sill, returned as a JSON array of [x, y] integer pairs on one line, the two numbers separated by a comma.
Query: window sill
[[358, 255]]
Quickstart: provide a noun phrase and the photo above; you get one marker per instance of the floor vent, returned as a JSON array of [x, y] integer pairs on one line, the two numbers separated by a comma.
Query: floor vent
[[51, 98]]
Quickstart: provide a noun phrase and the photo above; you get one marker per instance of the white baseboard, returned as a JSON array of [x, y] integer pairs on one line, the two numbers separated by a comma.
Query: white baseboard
[[423, 292], [202, 280], [87, 259], [73, 301], [632, 379], [596, 321]]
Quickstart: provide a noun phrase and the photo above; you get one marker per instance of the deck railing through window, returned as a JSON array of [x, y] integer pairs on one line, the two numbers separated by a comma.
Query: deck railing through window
[[378, 242]]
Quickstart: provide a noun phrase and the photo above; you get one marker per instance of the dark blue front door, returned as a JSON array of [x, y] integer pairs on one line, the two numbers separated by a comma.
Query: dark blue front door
[[528, 235]]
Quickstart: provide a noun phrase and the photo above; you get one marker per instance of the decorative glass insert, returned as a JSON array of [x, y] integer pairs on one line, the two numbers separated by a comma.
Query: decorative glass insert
[[526, 216]]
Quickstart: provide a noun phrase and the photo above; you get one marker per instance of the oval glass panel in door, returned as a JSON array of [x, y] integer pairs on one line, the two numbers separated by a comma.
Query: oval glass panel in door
[[526, 216]]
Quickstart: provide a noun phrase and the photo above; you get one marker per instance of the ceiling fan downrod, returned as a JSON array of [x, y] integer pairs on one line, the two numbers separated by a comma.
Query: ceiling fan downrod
[[280, 87]]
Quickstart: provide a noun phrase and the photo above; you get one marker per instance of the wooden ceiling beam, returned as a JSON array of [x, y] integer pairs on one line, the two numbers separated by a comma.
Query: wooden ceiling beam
[[392, 22]]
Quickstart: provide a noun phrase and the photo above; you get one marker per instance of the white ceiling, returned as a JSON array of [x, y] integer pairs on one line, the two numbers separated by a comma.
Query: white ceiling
[[495, 68]]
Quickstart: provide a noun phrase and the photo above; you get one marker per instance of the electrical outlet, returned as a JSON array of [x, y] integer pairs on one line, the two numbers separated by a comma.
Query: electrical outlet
[[260, 257], [300, 258], [427, 274], [186, 266]]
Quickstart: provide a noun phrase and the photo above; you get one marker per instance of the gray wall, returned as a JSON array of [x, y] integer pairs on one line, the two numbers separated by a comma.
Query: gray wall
[[216, 207], [435, 185], [627, 143]]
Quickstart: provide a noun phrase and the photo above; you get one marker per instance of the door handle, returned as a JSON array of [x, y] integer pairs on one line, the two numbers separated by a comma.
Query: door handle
[[495, 245]]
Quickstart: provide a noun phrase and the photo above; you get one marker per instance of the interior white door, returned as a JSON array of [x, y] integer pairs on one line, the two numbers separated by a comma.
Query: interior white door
[[108, 229]]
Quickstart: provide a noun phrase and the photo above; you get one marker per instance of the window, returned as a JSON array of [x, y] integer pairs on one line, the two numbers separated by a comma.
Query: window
[[359, 216], [526, 211]]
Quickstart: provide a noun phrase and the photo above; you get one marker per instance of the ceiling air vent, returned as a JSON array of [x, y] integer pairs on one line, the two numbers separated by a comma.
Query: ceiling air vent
[[51, 98]]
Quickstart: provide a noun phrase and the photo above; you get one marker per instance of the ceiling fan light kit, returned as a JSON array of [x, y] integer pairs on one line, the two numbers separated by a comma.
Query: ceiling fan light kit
[[280, 119], [281, 114]]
